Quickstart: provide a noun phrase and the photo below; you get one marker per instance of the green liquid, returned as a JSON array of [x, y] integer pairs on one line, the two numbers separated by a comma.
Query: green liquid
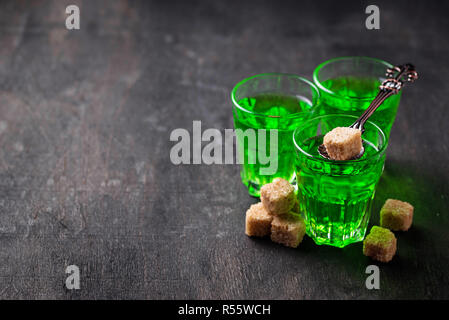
[[336, 198], [280, 112], [345, 89]]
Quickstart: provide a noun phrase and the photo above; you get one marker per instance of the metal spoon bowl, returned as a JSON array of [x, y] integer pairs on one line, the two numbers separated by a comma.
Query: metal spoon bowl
[[322, 151]]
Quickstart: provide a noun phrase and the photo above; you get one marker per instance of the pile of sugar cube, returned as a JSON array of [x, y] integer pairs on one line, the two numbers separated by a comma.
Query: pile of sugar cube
[[276, 215], [381, 243]]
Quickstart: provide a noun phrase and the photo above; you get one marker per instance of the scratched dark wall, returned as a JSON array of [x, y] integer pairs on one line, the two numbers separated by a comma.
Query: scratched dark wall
[[85, 173]]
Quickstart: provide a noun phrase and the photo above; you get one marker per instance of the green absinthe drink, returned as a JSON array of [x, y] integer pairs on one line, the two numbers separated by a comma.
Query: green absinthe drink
[[349, 84], [279, 110], [336, 196], [270, 102]]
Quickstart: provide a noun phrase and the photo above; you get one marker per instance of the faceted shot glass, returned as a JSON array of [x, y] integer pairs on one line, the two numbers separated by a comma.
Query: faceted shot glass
[[267, 108], [335, 197], [348, 85]]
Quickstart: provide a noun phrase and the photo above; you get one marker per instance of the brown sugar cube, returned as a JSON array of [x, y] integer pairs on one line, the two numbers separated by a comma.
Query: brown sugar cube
[[380, 244], [288, 230], [343, 143], [258, 221], [396, 215], [278, 197]]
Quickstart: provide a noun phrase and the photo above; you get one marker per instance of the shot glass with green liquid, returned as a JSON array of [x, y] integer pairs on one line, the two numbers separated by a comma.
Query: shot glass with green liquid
[[347, 85], [271, 101], [335, 197]]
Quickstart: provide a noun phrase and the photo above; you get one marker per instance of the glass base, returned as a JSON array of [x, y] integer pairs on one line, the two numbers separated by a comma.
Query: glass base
[[253, 189], [339, 240]]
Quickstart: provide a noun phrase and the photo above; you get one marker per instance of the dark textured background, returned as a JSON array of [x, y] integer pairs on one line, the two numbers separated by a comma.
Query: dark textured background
[[85, 174]]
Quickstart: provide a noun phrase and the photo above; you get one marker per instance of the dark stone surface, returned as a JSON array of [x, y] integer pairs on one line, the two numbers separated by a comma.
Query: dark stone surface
[[85, 173]]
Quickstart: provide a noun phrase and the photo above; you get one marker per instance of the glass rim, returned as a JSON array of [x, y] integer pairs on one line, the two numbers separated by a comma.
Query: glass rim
[[319, 158], [320, 86], [289, 75]]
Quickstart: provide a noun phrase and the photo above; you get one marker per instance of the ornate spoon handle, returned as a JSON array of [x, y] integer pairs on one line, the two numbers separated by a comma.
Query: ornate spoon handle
[[396, 77]]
